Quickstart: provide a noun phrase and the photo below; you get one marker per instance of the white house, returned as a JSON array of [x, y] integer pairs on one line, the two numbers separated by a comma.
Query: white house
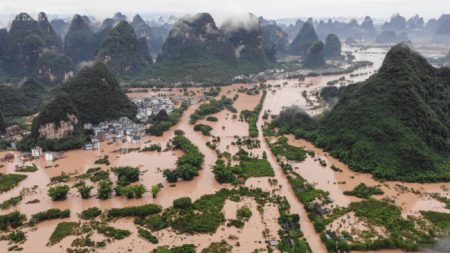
[[36, 152], [48, 156]]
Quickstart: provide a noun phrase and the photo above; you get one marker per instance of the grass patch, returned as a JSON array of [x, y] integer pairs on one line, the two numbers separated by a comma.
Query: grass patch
[[134, 211], [153, 147], [90, 213], [28, 168], [9, 181], [291, 153], [61, 231], [252, 116], [363, 191], [10, 202], [50, 214], [147, 235]]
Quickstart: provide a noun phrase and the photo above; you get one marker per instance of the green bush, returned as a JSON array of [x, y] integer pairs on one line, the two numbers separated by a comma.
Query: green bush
[[364, 191], [189, 164], [148, 235], [131, 191], [85, 190], [134, 211], [104, 189], [103, 160], [252, 116], [59, 192], [204, 129], [182, 203], [126, 175], [13, 220], [114, 233], [50, 214], [159, 126], [90, 213], [153, 147], [10, 202], [213, 106]]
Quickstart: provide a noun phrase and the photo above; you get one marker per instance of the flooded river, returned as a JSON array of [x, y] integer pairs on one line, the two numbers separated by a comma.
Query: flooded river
[[227, 127]]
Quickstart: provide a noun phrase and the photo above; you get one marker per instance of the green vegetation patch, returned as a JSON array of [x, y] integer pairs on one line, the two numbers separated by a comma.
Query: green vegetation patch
[[134, 211], [189, 164], [103, 160], [90, 213], [248, 167], [61, 231], [218, 247], [185, 248], [59, 192], [282, 148], [252, 116], [153, 147], [211, 107], [147, 235], [28, 168], [204, 129], [126, 175], [112, 232], [13, 220], [163, 122], [9, 181], [211, 119], [50, 214], [10, 202], [363, 191], [442, 220]]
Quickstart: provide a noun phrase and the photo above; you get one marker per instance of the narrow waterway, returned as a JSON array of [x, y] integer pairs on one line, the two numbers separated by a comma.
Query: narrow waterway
[[307, 227]]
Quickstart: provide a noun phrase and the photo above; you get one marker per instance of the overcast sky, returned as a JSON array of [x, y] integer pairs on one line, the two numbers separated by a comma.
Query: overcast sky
[[269, 8]]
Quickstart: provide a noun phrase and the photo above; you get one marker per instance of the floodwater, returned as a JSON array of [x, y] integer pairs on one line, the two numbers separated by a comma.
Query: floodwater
[[152, 164], [411, 197]]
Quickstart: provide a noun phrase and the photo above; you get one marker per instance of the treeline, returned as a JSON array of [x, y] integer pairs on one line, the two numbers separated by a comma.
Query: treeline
[[189, 164], [163, 121], [213, 106], [252, 116]]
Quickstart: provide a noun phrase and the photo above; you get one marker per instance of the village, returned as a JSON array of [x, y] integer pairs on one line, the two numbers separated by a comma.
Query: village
[[122, 130]]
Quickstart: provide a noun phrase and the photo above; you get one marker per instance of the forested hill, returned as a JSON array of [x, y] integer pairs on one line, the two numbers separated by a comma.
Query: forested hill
[[395, 125]]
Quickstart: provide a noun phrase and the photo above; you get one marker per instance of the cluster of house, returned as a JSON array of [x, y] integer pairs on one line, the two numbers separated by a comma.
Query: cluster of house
[[121, 130], [37, 152], [152, 105]]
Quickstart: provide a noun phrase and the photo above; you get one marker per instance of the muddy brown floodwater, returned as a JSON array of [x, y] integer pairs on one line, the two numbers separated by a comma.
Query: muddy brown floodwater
[[227, 127]]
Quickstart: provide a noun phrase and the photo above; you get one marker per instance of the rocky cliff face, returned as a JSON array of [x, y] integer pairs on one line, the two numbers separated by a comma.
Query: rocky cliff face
[[53, 68], [59, 129], [58, 119]]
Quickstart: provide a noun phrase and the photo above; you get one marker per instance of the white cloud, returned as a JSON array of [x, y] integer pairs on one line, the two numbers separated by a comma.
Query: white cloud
[[221, 8]]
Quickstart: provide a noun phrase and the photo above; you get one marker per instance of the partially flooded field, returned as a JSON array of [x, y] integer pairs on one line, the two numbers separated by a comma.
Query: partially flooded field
[[263, 226]]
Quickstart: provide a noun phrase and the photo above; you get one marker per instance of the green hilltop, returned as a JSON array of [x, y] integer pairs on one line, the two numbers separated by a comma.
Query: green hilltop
[[395, 125]]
